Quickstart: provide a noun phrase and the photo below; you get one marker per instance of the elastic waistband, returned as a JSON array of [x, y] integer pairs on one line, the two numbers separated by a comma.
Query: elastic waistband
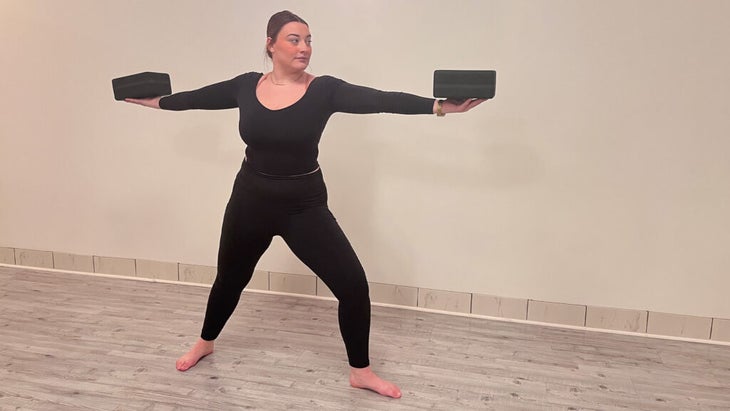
[[248, 167]]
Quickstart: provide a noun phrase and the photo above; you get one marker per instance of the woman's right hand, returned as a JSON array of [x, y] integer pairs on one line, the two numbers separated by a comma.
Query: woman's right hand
[[153, 102]]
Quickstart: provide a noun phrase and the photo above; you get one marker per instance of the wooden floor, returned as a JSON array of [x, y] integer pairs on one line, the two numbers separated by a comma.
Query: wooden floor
[[82, 342]]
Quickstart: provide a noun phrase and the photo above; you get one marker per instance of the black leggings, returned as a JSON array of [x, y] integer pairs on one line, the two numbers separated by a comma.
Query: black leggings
[[294, 208]]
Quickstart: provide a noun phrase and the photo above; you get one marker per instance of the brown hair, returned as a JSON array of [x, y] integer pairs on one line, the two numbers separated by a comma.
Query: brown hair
[[276, 22]]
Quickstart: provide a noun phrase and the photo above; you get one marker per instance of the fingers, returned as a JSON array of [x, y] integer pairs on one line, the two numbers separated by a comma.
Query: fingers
[[147, 102], [466, 105], [475, 102]]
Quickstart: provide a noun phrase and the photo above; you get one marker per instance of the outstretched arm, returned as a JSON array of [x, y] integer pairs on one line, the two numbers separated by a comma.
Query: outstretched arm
[[213, 97], [349, 98]]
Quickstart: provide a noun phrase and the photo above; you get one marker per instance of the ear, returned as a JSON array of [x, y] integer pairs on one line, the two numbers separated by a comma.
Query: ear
[[269, 45]]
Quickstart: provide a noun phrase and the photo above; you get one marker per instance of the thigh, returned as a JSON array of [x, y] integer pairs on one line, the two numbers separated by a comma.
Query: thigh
[[315, 238], [245, 235]]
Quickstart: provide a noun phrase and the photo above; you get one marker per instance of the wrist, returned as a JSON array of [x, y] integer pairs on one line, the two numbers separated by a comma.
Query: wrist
[[440, 108]]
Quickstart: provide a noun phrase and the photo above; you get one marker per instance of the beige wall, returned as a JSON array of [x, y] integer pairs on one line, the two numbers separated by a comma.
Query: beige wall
[[598, 175]]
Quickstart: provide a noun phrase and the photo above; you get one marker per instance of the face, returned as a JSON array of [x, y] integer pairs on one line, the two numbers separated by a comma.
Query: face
[[292, 47]]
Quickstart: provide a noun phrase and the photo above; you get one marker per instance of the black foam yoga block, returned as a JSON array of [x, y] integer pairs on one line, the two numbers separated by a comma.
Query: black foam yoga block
[[463, 84], [142, 85]]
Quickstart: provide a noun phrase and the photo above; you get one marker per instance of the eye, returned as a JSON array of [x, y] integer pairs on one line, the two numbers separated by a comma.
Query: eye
[[308, 41], [294, 41]]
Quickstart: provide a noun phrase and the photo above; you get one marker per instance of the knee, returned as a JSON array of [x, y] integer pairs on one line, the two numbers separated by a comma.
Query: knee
[[356, 293], [230, 282]]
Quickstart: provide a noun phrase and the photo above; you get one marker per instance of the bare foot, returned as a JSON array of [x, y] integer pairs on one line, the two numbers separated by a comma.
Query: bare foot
[[199, 350], [366, 378]]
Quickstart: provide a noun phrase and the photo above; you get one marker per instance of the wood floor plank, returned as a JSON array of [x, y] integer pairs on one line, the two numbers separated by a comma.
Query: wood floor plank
[[82, 342]]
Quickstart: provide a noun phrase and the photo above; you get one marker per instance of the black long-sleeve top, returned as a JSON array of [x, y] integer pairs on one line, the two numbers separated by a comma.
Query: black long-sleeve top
[[285, 141]]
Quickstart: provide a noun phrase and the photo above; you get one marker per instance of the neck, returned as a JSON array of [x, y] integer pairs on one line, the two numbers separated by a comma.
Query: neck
[[283, 78]]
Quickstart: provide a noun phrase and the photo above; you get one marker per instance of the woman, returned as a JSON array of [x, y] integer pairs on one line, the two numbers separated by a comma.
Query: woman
[[279, 189]]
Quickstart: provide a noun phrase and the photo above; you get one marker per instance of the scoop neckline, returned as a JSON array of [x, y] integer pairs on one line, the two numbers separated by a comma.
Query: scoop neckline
[[256, 96]]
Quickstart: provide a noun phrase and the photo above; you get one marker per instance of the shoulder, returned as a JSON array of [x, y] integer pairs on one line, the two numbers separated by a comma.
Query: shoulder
[[326, 78], [245, 80], [250, 76], [327, 82]]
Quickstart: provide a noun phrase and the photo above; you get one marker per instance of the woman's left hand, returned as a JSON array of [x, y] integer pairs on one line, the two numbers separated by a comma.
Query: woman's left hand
[[153, 102], [459, 106]]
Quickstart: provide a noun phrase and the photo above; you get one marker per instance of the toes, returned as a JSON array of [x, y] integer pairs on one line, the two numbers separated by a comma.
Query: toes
[[183, 364], [391, 391]]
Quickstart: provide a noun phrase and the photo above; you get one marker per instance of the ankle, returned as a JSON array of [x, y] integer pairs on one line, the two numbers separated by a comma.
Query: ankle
[[361, 372], [366, 369], [204, 344]]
